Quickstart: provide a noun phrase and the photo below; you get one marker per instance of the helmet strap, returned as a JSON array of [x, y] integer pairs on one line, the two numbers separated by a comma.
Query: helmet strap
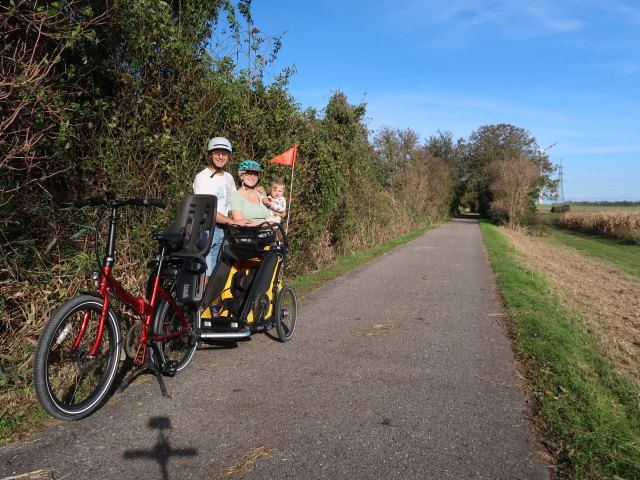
[[216, 170]]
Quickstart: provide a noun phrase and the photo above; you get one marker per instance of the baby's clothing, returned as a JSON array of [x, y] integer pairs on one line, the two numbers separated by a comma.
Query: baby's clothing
[[278, 205]]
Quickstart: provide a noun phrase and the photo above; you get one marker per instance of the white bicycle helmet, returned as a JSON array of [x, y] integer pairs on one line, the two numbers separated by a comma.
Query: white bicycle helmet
[[219, 143]]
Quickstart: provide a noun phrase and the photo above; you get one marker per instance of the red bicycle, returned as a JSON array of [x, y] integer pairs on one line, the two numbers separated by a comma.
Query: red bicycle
[[78, 353]]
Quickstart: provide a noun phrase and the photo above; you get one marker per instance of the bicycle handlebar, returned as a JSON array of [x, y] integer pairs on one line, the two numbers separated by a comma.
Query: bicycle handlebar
[[151, 202], [113, 203]]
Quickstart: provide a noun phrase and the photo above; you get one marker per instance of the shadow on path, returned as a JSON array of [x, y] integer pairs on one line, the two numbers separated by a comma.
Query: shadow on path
[[162, 450]]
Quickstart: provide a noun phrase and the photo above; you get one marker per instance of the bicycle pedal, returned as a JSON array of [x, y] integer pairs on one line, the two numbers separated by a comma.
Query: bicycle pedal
[[170, 368]]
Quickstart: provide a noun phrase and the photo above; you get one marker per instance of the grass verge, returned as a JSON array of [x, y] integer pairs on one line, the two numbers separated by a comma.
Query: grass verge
[[30, 419], [620, 253], [590, 413]]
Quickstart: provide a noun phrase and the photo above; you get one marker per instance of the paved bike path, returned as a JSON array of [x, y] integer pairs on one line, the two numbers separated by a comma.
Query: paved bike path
[[399, 369]]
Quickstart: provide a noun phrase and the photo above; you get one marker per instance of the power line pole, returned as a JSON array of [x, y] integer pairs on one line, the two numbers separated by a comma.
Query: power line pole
[[560, 186]]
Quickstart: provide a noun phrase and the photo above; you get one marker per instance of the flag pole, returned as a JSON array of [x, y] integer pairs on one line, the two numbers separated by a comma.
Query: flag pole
[[295, 154]]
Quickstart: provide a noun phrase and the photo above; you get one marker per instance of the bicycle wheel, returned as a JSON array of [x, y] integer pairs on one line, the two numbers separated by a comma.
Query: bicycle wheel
[[286, 313], [69, 382], [178, 351]]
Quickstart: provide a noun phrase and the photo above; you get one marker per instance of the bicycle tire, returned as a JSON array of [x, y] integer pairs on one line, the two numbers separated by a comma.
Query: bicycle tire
[[68, 383], [176, 352], [286, 313]]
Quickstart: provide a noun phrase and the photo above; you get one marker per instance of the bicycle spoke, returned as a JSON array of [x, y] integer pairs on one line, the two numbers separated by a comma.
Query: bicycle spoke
[[178, 351]]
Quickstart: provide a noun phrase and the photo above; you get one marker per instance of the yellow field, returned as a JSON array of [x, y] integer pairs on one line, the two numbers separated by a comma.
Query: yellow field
[[621, 221], [546, 208]]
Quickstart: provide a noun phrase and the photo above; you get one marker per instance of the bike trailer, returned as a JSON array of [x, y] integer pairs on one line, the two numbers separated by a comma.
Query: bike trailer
[[240, 295]]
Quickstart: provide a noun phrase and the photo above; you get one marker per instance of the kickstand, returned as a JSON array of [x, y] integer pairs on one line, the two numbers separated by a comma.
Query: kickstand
[[125, 383], [140, 370], [163, 388]]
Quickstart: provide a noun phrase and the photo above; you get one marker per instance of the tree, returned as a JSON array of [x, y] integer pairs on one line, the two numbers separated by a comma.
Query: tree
[[491, 144], [512, 182], [45, 81], [418, 175], [424, 185], [394, 148], [442, 146]]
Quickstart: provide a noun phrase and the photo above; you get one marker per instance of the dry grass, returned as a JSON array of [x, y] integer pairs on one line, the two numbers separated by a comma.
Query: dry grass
[[376, 330], [247, 462], [42, 473], [603, 222], [28, 306], [608, 297]]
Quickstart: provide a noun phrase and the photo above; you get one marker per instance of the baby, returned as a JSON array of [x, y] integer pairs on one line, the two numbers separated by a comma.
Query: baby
[[276, 202]]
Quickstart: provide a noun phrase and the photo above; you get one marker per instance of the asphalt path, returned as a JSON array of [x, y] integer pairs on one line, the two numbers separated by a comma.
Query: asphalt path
[[398, 370]]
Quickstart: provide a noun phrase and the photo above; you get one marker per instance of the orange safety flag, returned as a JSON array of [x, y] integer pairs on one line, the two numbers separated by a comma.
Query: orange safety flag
[[288, 157]]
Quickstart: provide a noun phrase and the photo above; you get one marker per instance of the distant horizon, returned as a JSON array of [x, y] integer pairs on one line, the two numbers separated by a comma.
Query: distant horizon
[[590, 199]]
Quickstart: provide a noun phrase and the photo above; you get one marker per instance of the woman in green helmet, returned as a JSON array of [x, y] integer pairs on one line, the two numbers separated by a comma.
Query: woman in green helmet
[[246, 202]]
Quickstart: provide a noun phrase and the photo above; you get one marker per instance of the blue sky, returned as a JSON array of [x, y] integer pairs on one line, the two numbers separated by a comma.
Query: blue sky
[[568, 71]]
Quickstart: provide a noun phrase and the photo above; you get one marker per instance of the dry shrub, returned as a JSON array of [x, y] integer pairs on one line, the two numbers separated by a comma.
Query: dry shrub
[[35, 100], [606, 222], [371, 216], [512, 184], [423, 186], [318, 253], [377, 217], [368, 217]]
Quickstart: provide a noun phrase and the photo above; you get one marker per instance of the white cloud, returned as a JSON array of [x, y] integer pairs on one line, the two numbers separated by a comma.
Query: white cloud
[[621, 67], [514, 18], [551, 21]]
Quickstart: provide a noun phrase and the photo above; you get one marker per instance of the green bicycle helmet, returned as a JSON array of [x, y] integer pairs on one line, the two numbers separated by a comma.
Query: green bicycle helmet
[[249, 166]]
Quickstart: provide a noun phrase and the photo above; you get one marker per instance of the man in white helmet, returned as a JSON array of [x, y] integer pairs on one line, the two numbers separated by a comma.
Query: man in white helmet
[[214, 180]]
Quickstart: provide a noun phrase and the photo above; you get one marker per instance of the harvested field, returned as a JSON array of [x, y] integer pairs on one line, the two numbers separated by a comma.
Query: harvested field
[[608, 297]]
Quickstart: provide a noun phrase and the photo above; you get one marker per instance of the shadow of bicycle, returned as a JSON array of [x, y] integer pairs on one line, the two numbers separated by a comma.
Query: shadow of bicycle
[[162, 451]]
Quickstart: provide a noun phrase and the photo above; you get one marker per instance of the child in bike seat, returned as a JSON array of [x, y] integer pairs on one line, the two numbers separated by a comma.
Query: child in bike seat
[[276, 202]]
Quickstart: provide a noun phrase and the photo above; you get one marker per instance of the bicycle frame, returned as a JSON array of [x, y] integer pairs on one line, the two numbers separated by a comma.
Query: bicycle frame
[[109, 286]]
